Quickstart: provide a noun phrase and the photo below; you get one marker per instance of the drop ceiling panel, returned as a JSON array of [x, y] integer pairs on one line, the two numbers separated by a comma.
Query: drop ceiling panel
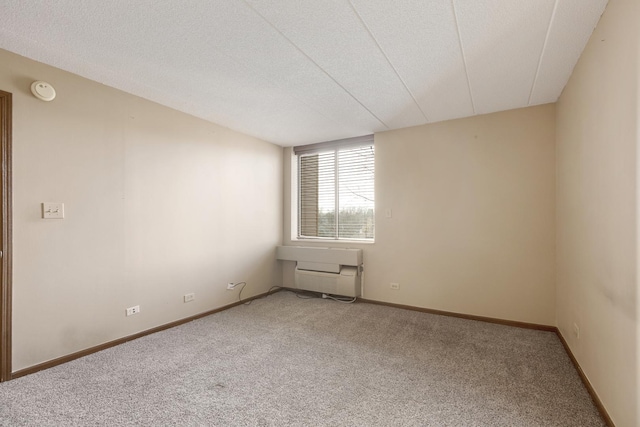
[[502, 42], [573, 23], [251, 73], [256, 102], [295, 72], [420, 38], [245, 37], [333, 37]]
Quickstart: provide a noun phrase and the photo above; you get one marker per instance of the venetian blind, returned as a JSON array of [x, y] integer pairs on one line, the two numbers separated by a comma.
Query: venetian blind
[[336, 189]]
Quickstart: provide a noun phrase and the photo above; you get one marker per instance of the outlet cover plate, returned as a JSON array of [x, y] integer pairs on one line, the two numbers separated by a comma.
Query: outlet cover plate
[[133, 310], [52, 210]]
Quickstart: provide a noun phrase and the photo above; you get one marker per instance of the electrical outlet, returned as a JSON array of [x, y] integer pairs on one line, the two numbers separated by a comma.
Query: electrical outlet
[[189, 297], [133, 310], [576, 331], [394, 286], [230, 286]]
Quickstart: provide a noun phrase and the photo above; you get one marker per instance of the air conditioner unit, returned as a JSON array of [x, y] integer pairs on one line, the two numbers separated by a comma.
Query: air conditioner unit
[[333, 271]]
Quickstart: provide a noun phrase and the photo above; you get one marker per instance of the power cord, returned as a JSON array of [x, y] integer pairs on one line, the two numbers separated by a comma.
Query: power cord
[[251, 300], [305, 294], [240, 293], [339, 299], [302, 294]]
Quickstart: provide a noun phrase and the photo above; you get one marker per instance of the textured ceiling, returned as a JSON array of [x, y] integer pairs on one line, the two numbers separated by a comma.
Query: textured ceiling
[[302, 71]]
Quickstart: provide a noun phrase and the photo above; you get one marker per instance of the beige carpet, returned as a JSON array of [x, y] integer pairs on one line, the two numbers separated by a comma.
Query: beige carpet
[[287, 361]]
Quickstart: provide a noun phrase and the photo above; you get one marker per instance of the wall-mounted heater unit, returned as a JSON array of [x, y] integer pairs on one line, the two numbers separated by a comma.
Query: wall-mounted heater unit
[[333, 271]]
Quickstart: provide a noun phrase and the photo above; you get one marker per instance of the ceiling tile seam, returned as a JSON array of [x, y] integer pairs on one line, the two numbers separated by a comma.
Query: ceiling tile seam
[[275, 82], [315, 63], [542, 52], [267, 77], [464, 57], [252, 68], [364, 24]]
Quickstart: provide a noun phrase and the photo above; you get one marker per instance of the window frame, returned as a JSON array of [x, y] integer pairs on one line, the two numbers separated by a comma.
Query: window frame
[[319, 148]]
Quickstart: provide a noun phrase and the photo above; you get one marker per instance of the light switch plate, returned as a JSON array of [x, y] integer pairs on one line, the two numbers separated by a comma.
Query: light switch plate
[[52, 210]]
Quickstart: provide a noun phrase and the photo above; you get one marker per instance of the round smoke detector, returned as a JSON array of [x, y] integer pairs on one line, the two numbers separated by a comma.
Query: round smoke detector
[[43, 90]]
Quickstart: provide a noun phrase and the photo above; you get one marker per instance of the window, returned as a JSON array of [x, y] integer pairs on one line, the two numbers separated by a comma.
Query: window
[[336, 189]]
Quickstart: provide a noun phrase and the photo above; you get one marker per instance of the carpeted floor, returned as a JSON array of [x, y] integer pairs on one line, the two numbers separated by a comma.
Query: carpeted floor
[[287, 361]]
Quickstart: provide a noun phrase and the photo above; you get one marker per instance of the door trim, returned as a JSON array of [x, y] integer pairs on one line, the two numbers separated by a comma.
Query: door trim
[[6, 198]]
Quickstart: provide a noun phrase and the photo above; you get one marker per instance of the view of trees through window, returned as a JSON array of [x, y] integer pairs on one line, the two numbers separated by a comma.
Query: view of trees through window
[[342, 181]]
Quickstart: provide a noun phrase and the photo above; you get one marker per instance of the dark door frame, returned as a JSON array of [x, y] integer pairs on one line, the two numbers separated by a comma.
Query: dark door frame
[[5, 235]]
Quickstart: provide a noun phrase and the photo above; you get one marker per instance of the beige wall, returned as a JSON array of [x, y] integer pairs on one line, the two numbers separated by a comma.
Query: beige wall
[[158, 204], [597, 139], [473, 216], [637, 311]]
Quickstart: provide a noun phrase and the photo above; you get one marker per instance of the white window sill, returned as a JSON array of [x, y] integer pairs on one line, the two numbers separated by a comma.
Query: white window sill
[[332, 241]]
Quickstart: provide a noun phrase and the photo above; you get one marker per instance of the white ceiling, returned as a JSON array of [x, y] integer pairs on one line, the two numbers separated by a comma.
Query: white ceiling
[[302, 71]]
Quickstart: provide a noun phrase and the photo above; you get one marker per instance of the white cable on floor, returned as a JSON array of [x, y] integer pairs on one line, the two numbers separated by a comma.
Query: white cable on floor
[[340, 299]]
